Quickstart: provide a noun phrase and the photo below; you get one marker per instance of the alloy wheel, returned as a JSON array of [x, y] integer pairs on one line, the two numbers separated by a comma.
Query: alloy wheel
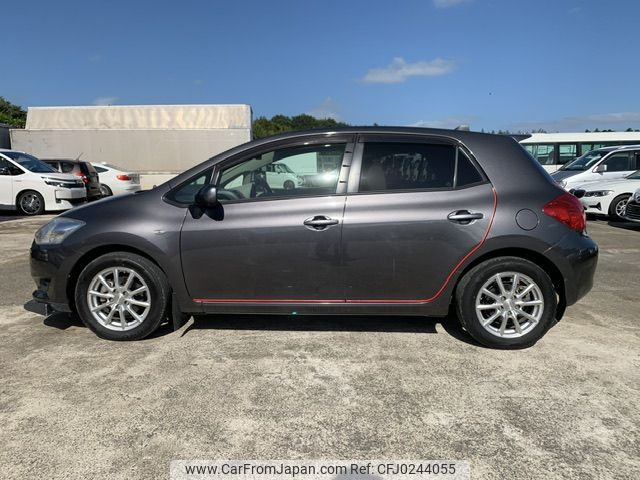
[[509, 305], [30, 203], [119, 298]]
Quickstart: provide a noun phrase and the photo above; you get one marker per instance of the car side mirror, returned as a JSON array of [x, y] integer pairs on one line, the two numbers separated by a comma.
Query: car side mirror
[[207, 197], [601, 168]]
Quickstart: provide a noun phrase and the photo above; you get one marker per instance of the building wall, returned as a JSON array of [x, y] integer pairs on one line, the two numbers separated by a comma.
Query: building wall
[[156, 141]]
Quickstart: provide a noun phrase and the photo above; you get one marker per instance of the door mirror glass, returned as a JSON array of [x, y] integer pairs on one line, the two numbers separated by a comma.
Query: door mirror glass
[[207, 197], [601, 168]]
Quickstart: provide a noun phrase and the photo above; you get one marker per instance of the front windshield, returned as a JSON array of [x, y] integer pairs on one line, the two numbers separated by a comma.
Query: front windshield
[[634, 176], [285, 167], [585, 161], [30, 162]]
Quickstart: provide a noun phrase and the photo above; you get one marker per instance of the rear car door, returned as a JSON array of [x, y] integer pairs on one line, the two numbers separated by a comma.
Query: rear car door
[[416, 208], [6, 184], [267, 243]]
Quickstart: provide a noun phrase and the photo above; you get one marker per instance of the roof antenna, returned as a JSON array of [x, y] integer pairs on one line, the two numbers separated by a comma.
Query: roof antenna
[[462, 128], [78, 157]]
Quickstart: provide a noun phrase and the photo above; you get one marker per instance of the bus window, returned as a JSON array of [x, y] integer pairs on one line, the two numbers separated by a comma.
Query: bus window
[[543, 152], [567, 152]]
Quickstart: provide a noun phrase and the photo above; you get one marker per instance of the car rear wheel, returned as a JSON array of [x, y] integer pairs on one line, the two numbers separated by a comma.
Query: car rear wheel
[[30, 203], [122, 296], [506, 302], [105, 191], [288, 185], [618, 204]]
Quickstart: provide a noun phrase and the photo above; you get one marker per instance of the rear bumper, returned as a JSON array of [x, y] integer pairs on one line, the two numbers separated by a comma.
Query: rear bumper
[[576, 256]]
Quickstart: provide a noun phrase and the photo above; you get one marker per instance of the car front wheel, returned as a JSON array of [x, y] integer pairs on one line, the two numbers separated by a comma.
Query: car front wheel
[[506, 302], [30, 203], [122, 296], [616, 209]]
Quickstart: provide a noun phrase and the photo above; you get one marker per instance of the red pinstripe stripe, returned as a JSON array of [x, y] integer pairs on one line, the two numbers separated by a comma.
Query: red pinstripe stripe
[[427, 300]]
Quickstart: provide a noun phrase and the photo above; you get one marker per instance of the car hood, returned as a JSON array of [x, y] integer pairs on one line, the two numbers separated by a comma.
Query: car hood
[[628, 185], [562, 174]]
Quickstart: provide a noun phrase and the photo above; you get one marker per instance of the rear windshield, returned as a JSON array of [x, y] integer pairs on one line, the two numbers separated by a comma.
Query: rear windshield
[[86, 167]]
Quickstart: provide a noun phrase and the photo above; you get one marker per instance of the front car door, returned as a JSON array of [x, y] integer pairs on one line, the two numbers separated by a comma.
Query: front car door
[[416, 209], [618, 165], [268, 244]]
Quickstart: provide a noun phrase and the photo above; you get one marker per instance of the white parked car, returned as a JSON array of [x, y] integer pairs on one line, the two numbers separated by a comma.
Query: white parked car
[[632, 210], [31, 186], [114, 181], [279, 175], [608, 197], [610, 163]]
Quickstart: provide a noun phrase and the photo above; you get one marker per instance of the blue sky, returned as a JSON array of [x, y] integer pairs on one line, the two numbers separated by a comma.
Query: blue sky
[[563, 65]]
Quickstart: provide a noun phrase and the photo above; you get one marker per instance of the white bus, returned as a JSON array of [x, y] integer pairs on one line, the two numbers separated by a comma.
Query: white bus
[[553, 150]]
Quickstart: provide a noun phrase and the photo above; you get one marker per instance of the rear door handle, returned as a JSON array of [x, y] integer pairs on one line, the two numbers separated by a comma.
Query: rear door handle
[[320, 222], [464, 216]]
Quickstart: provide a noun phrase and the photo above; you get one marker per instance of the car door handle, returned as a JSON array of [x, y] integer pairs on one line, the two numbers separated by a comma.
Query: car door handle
[[464, 216], [320, 222]]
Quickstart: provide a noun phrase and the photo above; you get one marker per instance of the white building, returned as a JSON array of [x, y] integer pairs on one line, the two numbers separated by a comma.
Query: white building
[[157, 141]]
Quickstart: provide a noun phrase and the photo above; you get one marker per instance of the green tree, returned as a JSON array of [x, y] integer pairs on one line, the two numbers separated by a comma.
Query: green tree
[[264, 127], [12, 114]]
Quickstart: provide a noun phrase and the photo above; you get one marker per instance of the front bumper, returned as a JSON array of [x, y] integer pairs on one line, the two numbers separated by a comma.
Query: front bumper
[[51, 270], [70, 193], [632, 212]]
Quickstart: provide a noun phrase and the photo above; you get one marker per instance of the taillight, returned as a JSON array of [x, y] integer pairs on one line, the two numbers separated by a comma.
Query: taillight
[[567, 209], [123, 177], [85, 179]]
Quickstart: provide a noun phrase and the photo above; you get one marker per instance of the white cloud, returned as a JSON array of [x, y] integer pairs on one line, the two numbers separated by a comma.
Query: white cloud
[[327, 109], [447, 3], [447, 122], [100, 101], [614, 120], [399, 70]]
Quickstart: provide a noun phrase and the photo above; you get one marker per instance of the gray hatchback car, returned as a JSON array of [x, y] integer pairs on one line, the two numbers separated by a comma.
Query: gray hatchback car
[[414, 222]]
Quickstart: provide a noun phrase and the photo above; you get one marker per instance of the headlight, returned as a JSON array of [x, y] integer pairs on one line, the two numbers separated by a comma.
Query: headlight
[[598, 193], [54, 232], [57, 183]]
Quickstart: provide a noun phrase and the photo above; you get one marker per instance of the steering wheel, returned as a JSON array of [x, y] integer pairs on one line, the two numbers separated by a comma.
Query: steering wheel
[[260, 186]]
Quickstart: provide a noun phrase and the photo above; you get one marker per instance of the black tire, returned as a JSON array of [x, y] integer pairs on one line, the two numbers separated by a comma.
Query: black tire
[[620, 199], [105, 190], [30, 202], [288, 185], [470, 285], [159, 290]]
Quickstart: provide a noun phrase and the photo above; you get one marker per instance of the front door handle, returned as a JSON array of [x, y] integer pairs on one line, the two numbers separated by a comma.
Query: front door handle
[[464, 216], [319, 222]]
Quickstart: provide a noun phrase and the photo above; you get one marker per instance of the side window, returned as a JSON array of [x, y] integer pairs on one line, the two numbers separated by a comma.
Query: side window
[[186, 193], [467, 173], [543, 152], [406, 166], [66, 167], [4, 167], [636, 166], [306, 170], [618, 162], [100, 169]]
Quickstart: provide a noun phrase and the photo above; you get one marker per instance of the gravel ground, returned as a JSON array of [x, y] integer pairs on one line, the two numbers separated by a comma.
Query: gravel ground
[[74, 406]]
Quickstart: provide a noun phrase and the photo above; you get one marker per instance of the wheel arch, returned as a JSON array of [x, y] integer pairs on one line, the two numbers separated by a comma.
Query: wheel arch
[[24, 190], [94, 253], [539, 259]]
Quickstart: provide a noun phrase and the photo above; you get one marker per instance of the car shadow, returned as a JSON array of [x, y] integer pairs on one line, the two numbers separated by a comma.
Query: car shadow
[[293, 323], [331, 323], [634, 227]]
